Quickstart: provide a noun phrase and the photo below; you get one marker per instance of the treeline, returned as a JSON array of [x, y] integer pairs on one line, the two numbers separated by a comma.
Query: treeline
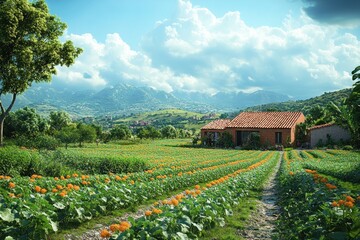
[[27, 128]]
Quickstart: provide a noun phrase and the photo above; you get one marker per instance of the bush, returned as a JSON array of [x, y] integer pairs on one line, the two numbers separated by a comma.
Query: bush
[[100, 164], [17, 162], [347, 147], [39, 142]]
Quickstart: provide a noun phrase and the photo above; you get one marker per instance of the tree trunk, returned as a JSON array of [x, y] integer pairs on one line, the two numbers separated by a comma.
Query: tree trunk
[[3, 115], [2, 130]]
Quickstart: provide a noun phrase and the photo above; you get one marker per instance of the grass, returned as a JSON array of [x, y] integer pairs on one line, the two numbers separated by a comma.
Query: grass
[[236, 222]]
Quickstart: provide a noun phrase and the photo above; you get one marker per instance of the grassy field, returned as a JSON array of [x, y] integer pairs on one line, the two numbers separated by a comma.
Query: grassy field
[[184, 192]]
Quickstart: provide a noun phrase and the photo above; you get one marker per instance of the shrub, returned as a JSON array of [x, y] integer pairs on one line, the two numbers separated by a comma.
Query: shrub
[[17, 162], [99, 164]]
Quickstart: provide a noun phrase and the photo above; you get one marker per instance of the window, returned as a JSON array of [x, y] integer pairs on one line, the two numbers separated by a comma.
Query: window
[[278, 138]]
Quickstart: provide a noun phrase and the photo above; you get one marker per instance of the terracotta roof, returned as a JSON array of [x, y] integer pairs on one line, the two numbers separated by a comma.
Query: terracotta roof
[[265, 120], [217, 124], [322, 126]]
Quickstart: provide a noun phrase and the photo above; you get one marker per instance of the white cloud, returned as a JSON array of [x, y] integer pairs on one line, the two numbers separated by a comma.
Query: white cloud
[[200, 51]]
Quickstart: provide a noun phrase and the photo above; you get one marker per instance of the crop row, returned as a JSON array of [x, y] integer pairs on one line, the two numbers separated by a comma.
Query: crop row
[[190, 214], [313, 207], [33, 207]]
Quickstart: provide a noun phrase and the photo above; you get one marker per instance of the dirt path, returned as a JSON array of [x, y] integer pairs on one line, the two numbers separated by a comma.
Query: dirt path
[[262, 222]]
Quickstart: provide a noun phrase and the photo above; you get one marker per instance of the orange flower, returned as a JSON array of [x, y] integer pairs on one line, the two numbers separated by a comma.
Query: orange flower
[[54, 190], [124, 226], [187, 191], [156, 203], [349, 204], [132, 182], [11, 185], [148, 213], [37, 188], [291, 173], [56, 178], [117, 178], [157, 211], [105, 233], [341, 202], [174, 202], [76, 188], [70, 186], [62, 177], [63, 193], [11, 195], [197, 191], [334, 204], [43, 190], [68, 176], [324, 180], [197, 186], [330, 186], [59, 187], [350, 199], [114, 227]]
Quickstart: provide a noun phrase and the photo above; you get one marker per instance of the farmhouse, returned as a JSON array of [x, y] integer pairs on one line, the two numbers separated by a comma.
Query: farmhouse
[[213, 130], [274, 128], [329, 133]]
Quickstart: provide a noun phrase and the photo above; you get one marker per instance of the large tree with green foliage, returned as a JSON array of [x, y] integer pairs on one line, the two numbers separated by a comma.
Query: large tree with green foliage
[[30, 48], [353, 102]]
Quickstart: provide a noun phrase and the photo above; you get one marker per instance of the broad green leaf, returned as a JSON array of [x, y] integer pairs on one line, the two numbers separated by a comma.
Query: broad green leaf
[[59, 205], [9, 238], [6, 215], [182, 236]]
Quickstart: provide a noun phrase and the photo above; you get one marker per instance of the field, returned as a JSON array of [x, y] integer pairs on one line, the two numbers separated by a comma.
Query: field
[[185, 193]]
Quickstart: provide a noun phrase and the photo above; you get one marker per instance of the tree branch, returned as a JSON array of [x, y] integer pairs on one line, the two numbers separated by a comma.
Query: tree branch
[[11, 104]]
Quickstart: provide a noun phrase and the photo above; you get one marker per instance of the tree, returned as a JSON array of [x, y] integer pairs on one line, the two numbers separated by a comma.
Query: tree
[[30, 48], [353, 103], [58, 120], [69, 134], [120, 132], [86, 133], [169, 132], [26, 122]]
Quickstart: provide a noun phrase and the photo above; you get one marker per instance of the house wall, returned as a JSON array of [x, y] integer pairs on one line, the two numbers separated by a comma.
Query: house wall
[[336, 133], [266, 135], [207, 131]]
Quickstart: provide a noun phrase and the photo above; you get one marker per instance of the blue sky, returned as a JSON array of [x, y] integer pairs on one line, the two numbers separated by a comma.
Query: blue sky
[[297, 47]]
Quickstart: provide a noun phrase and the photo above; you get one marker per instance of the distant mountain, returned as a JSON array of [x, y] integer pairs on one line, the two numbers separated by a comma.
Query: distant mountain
[[233, 100], [126, 99], [305, 105]]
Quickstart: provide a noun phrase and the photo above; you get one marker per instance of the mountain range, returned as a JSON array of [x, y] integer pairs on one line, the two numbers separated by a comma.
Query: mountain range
[[126, 99]]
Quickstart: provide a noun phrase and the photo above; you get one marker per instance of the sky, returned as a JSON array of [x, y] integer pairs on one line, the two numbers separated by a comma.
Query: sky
[[301, 48]]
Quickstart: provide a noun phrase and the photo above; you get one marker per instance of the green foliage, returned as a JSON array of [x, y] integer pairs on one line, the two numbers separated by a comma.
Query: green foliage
[[253, 141], [25, 122], [305, 106], [59, 120], [68, 135], [169, 132], [353, 102], [86, 133], [30, 48], [97, 164], [148, 132], [225, 140], [17, 162], [120, 132]]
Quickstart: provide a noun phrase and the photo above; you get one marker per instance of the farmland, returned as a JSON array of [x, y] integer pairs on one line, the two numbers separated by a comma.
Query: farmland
[[184, 192]]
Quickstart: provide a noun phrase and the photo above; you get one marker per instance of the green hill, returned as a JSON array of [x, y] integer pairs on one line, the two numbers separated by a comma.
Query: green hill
[[305, 105], [176, 117]]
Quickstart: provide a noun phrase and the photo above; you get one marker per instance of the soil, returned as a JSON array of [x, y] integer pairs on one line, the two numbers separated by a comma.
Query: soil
[[261, 224]]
